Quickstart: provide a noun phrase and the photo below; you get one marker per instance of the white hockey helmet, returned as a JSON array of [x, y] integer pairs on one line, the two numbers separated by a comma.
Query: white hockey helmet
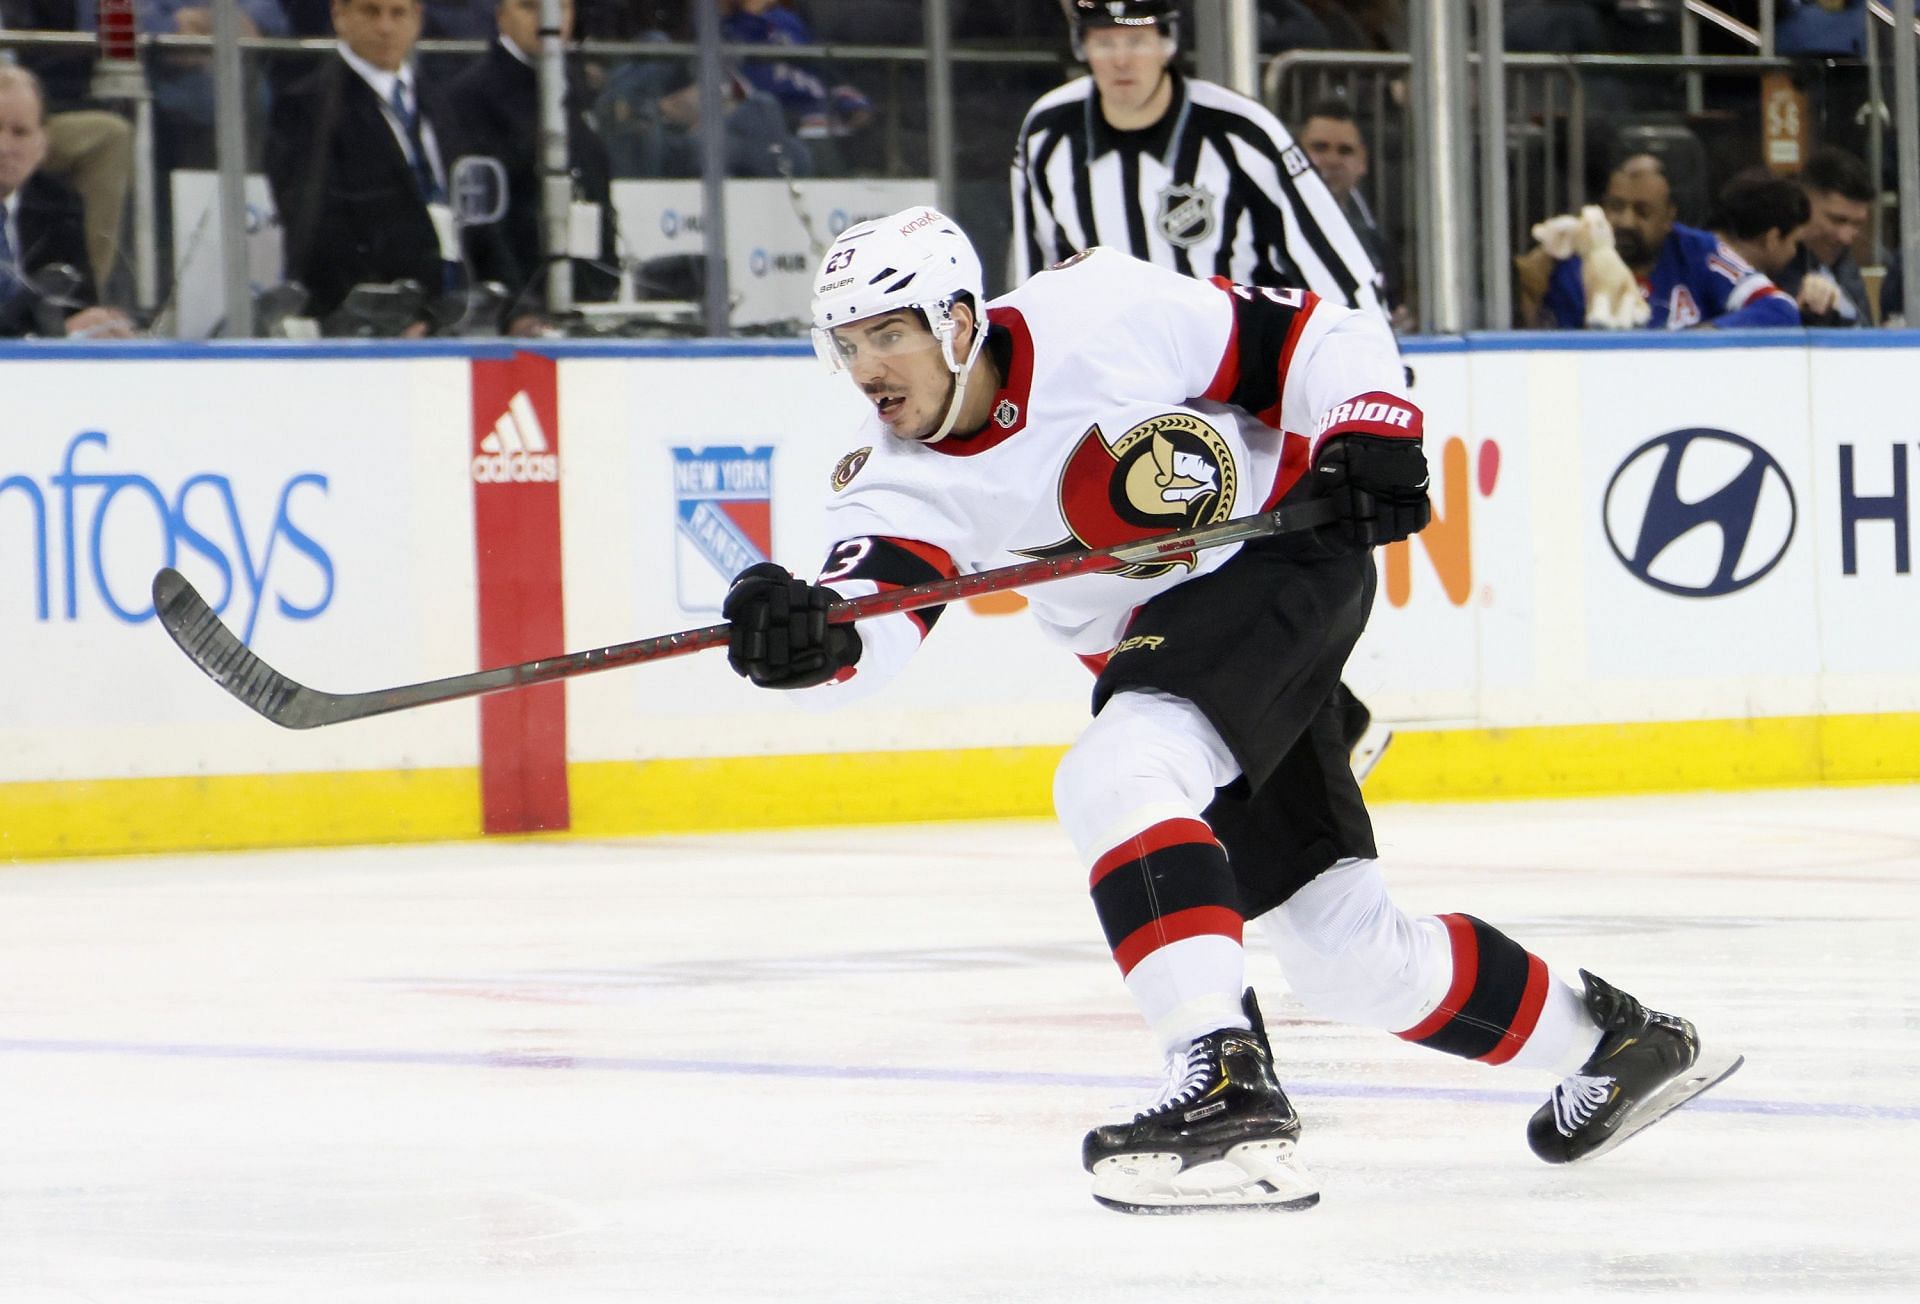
[[918, 260]]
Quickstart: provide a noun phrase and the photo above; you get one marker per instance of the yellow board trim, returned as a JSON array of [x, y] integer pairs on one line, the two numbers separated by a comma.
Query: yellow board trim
[[626, 798], [221, 812], [1672, 756]]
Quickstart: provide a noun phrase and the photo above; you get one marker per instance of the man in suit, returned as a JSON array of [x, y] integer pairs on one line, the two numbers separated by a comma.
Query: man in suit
[[42, 225], [1331, 136], [358, 156], [497, 103]]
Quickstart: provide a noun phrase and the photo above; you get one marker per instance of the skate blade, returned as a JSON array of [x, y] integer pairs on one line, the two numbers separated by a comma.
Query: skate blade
[[1262, 1175], [1368, 751], [1708, 1071]]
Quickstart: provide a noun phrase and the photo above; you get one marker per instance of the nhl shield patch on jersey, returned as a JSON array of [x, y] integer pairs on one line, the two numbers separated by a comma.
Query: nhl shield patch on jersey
[[1185, 215], [723, 519]]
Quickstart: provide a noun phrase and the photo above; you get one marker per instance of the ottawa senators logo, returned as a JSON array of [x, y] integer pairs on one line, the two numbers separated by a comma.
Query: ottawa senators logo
[[1168, 474]]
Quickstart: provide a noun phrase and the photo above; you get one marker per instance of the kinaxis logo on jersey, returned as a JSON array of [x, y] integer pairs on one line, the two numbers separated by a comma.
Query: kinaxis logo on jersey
[[515, 450], [1700, 513], [117, 528]]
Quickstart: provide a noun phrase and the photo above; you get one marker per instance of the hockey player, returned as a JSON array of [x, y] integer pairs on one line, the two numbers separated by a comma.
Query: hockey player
[[1108, 400]]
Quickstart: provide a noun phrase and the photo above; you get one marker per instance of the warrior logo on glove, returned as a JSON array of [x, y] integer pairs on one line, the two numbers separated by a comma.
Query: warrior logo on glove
[[1168, 474], [1369, 462]]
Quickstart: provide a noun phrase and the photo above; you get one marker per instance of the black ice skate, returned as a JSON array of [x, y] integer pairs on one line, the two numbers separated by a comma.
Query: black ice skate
[[1646, 1066], [1222, 1111]]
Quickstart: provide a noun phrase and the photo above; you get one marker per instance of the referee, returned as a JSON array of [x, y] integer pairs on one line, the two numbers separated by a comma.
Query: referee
[[1186, 174], [1174, 170]]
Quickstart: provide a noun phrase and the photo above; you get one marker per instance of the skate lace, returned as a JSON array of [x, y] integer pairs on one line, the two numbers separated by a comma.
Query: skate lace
[[1188, 1076], [1576, 1099]]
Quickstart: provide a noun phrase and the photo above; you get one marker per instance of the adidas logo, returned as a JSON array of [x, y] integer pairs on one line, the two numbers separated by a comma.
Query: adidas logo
[[515, 450]]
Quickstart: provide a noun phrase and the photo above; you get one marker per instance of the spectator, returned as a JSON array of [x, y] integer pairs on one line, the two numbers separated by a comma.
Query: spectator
[[1688, 276], [89, 146], [1760, 216], [183, 79], [357, 156], [816, 111], [1331, 136], [1823, 276], [41, 228], [497, 102], [650, 111]]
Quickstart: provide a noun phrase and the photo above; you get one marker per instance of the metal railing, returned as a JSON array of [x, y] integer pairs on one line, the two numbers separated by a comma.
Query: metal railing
[[940, 55]]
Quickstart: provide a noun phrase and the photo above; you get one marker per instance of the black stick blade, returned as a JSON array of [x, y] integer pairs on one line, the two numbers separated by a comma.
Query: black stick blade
[[223, 658]]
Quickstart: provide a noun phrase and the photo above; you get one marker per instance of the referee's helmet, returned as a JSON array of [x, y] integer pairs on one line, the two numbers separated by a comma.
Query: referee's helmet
[[1084, 14]]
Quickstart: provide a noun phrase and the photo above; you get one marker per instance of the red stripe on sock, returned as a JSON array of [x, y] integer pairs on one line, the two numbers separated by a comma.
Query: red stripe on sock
[[1158, 837], [1176, 927], [1466, 971], [1532, 1001]]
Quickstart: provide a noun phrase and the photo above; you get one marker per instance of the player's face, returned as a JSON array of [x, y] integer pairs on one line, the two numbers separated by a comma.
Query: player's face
[[1836, 223], [1337, 151], [23, 140], [1127, 63], [380, 31], [1639, 207], [896, 361]]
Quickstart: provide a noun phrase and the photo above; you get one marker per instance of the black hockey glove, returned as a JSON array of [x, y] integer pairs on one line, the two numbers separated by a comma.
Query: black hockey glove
[[780, 636], [1377, 483]]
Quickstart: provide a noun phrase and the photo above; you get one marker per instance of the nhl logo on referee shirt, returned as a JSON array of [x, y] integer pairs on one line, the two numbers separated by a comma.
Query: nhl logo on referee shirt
[[723, 519], [1185, 215]]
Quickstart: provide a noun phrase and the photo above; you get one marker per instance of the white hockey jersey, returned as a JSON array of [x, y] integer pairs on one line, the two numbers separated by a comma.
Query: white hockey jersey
[[1137, 402]]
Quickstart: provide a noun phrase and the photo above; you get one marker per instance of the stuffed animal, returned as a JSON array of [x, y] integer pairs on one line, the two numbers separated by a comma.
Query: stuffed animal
[[1614, 300]]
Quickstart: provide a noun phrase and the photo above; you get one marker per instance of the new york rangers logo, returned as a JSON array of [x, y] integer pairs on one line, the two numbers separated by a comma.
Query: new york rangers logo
[[723, 517]]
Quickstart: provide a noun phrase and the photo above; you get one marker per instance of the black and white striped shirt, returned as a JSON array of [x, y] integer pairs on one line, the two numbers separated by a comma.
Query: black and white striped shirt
[[1217, 187]]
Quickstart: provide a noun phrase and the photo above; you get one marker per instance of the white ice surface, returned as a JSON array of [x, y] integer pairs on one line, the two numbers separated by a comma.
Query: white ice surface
[[856, 1065]]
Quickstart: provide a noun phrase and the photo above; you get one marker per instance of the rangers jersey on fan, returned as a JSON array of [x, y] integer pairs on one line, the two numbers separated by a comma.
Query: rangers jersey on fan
[[1136, 402], [1696, 279], [1216, 188]]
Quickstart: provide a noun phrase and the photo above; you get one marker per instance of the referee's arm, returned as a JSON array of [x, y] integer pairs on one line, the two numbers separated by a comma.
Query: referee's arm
[[1033, 227]]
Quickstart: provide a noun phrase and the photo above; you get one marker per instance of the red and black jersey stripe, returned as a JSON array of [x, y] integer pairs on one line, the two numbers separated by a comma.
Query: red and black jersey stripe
[[892, 564], [1163, 885], [1494, 1001], [1266, 326]]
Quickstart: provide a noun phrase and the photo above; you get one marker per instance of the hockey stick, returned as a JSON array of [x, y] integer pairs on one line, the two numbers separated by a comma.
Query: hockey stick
[[210, 645]]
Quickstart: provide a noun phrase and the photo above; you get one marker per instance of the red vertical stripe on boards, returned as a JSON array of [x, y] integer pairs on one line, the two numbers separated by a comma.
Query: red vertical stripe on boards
[[516, 533]]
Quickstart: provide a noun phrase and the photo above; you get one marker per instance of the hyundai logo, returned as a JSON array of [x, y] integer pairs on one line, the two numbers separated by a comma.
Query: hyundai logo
[[758, 262], [669, 224], [1700, 512]]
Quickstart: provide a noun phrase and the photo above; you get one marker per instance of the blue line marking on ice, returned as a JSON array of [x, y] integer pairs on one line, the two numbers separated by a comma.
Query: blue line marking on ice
[[506, 1059]]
